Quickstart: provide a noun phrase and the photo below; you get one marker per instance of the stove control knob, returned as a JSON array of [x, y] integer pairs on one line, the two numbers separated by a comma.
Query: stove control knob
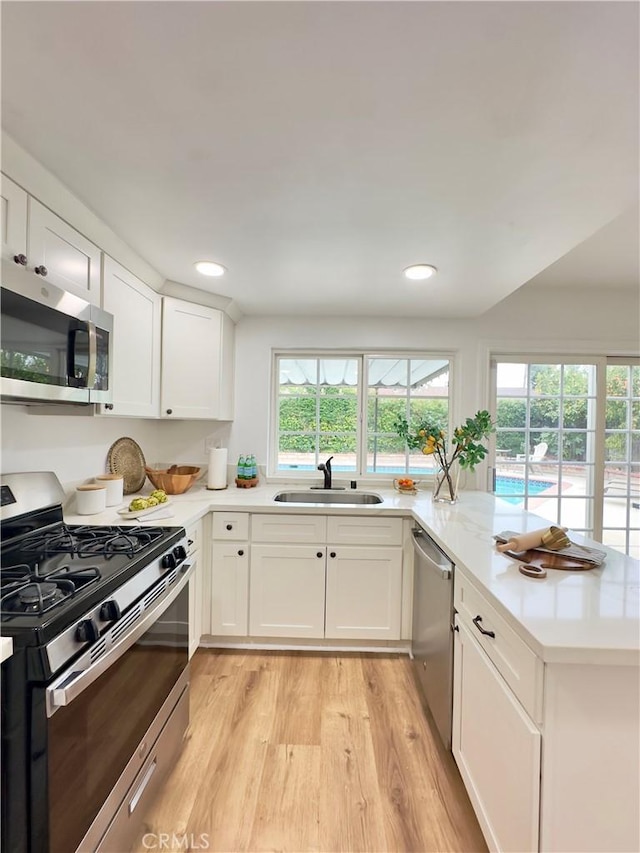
[[110, 611], [180, 553], [168, 561], [87, 631]]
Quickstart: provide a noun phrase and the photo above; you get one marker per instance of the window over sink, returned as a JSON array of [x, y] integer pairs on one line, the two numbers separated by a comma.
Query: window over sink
[[345, 404]]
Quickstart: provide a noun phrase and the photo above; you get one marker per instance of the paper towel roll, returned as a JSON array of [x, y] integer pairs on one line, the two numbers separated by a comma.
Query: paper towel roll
[[217, 474]]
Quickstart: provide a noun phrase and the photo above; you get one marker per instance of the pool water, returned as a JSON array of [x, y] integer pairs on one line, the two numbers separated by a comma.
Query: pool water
[[511, 489]]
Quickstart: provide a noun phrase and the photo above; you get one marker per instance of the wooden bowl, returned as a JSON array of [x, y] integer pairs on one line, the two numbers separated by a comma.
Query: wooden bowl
[[174, 480]]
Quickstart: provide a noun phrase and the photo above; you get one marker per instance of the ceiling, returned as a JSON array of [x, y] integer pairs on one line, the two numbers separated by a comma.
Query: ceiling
[[315, 149]]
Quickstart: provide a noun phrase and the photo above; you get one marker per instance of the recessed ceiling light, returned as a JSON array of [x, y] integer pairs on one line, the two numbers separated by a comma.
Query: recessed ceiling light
[[210, 268], [418, 272]]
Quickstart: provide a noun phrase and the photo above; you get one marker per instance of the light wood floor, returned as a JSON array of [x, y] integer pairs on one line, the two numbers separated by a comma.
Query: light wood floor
[[311, 752]]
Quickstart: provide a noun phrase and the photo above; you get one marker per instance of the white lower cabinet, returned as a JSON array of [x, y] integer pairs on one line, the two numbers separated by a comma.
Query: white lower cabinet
[[229, 574], [286, 597], [302, 576], [230, 588], [364, 592], [196, 591], [497, 748]]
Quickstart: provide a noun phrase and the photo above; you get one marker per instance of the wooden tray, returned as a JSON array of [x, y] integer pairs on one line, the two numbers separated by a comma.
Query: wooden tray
[[246, 484]]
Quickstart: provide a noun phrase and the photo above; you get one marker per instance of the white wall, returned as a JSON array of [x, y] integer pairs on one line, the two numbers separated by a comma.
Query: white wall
[[584, 322], [75, 446], [530, 320]]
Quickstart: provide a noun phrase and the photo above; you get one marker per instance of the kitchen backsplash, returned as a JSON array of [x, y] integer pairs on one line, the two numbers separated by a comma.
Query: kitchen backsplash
[[75, 446]]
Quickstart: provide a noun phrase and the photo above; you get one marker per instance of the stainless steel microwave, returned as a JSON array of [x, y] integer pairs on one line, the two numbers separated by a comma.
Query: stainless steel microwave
[[54, 346]]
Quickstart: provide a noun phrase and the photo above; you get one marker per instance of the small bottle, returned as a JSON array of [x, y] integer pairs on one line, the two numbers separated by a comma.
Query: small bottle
[[254, 466], [246, 474], [240, 470]]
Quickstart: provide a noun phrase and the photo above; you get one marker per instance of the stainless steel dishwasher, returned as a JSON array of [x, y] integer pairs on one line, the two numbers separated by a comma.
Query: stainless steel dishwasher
[[432, 636]]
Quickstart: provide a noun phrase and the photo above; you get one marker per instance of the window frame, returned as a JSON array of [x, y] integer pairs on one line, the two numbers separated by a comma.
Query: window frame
[[595, 525], [362, 355]]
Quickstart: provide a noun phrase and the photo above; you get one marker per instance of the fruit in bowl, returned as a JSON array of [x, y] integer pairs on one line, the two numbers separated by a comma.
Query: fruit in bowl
[[405, 484]]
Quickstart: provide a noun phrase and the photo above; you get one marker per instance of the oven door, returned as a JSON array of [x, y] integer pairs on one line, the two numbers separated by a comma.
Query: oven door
[[104, 719]]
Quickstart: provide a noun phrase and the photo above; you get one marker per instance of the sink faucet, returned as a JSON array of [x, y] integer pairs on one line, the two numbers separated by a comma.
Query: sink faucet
[[325, 467]]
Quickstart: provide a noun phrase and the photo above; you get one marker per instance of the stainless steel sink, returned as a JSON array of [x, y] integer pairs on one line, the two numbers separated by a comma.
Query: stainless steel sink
[[311, 496]]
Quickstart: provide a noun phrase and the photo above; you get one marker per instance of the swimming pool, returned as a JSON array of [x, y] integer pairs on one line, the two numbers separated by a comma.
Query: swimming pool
[[511, 489]]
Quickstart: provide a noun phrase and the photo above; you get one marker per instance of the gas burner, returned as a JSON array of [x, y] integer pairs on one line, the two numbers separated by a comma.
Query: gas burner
[[35, 597], [37, 594]]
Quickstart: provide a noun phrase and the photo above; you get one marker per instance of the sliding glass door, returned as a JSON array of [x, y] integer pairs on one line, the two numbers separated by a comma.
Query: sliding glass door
[[567, 443]]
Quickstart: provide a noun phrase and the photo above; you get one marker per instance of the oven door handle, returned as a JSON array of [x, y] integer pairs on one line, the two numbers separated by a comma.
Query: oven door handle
[[73, 681]]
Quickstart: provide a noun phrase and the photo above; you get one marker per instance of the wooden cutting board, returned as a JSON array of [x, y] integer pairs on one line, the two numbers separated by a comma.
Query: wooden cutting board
[[549, 561]]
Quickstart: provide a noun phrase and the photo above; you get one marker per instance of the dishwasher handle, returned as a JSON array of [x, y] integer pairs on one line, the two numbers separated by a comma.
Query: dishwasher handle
[[443, 570]]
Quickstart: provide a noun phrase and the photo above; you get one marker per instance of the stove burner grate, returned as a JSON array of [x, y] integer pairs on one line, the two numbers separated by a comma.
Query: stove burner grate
[[27, 591]]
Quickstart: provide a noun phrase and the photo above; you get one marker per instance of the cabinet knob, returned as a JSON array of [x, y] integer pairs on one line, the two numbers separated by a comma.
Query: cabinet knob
[[41, 270], [229, 526], [109, 406], [169, 411], [319, 554], [20, 259], [332, 554], [240, 553]]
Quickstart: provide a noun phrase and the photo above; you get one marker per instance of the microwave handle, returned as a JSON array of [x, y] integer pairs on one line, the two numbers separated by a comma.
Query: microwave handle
[[93, 355], [72, 379]]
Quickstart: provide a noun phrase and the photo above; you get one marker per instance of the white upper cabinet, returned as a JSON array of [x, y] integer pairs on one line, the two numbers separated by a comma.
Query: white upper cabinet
[[13, 222], [197, 367], [61, 255], [136, 342]]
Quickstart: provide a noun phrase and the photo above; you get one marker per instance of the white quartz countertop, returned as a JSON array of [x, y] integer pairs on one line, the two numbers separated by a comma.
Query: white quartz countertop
[[590, 616], [6, 648]]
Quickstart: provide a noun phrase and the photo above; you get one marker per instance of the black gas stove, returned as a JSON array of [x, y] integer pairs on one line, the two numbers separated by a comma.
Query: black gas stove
[[50, 575], [99, 619]]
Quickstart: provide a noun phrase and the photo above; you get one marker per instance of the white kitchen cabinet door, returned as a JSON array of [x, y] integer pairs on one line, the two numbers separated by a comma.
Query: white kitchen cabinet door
[[286, 597], [497, 749], [196, 585], [136, 342], [230, 589], [364, 592], [195, 605], [192, 357], [61, 255], [14, 220]]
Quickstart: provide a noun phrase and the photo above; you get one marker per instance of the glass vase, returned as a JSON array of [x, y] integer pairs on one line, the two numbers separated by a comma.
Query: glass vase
[[445, 485]]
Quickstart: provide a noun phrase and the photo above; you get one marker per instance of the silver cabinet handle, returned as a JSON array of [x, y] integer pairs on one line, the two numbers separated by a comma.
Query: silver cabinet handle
[[133, 802]]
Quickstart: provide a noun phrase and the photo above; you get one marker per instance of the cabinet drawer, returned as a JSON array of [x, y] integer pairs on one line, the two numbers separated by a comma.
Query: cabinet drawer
[[356, 530], [310, 529], [520, 667], [230, 525]]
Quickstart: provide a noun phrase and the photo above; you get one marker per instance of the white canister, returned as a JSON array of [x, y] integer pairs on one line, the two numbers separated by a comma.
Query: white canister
[[91, 498], [114, 484]]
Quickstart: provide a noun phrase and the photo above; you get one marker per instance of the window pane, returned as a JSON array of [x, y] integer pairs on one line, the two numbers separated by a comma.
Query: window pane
[[545, 413], [615, 445], [511, 413], [544, 379], [297, 414], [616, 413], [617, 380], [339, 412]]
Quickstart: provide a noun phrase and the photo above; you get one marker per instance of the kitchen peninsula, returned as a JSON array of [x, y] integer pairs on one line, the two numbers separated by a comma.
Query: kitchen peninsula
[[551, 705]]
